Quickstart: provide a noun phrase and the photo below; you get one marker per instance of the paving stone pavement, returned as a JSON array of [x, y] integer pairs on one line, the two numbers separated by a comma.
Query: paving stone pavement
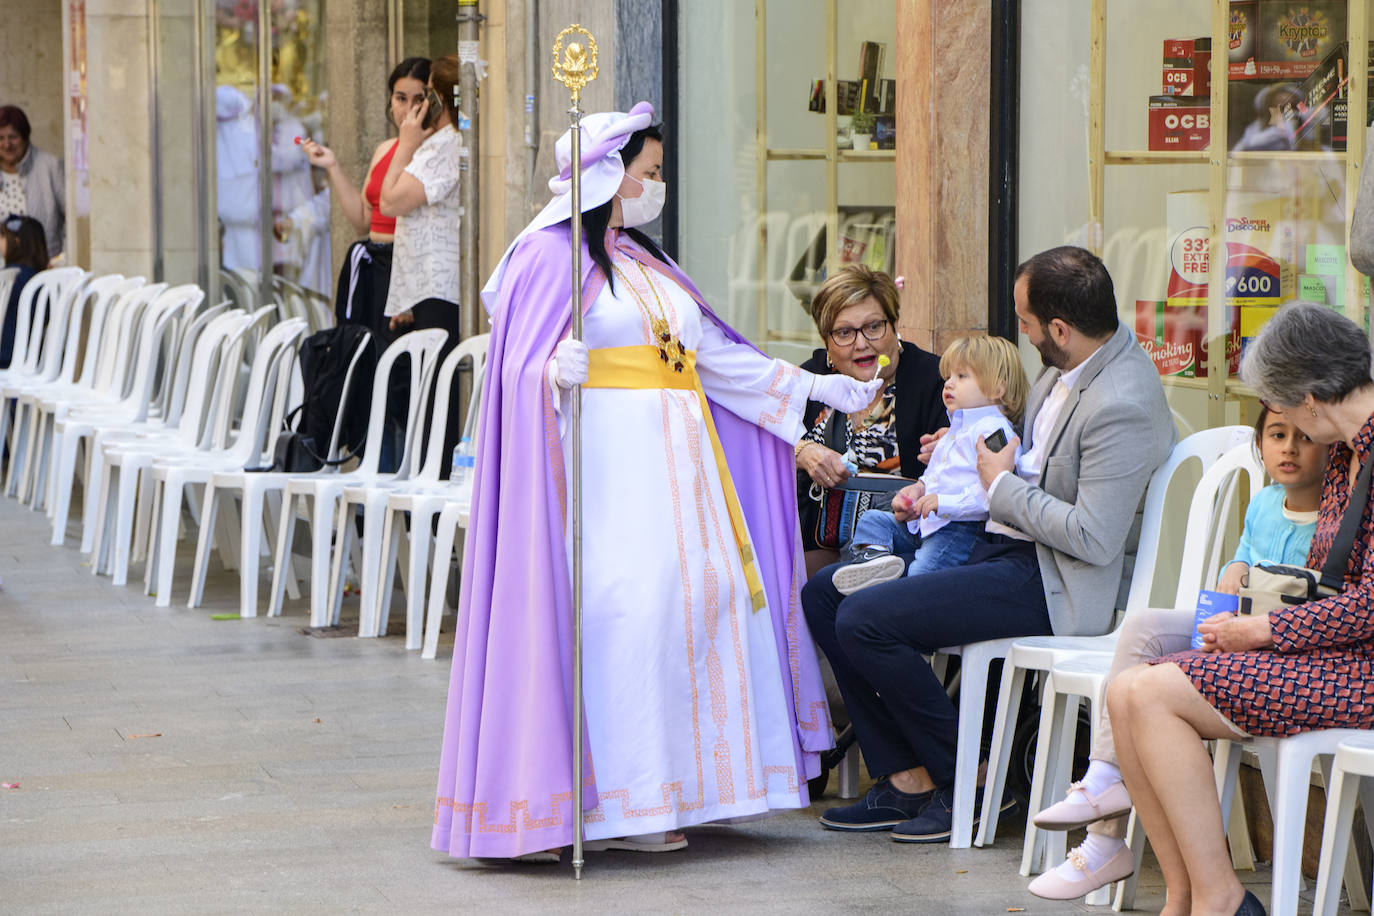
[[169, 762]]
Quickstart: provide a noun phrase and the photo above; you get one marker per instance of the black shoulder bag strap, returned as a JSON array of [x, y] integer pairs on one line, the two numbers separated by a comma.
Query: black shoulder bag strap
[[835, 431], [1333, 570]]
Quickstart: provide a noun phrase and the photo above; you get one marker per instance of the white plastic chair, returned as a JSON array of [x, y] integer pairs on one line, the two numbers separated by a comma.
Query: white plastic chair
[[1286, 764], [363, 484], [320, 489], [170, 477], [1354, 760], [423, 498], [46, 332], [89, 308], [1042, 653], [213, 368], [104, 381]]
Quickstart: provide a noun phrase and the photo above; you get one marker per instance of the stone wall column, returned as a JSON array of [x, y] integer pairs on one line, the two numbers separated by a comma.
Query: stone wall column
[[942, 174]]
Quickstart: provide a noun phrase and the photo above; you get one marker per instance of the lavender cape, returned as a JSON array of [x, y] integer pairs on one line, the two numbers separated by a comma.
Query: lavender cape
[[505, 773]]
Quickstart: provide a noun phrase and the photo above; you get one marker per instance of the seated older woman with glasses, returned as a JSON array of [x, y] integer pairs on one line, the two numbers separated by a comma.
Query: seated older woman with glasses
[[855, 312]]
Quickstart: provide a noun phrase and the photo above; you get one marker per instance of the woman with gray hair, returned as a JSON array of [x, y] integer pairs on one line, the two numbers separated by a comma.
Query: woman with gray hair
[[1293, 670]]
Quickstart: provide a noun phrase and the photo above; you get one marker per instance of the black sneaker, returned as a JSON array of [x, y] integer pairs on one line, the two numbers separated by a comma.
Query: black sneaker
[[932, 825], [881, 809], [871, 566]]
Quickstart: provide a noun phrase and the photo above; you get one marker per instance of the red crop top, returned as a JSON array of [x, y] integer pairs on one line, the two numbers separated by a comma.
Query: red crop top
[[381, 225]]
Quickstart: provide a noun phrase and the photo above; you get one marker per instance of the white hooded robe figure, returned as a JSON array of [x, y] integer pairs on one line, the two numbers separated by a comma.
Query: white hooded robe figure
[[236, 167]]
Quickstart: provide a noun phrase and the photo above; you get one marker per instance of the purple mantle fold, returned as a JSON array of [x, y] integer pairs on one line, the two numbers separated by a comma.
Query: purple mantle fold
[[505, 772]]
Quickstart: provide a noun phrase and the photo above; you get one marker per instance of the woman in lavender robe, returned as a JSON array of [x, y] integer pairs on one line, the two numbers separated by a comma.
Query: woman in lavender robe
[[702, 696]]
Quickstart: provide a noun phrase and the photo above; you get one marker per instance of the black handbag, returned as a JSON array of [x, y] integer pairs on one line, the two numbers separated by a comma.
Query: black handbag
[[1271, 587], [832, 512]]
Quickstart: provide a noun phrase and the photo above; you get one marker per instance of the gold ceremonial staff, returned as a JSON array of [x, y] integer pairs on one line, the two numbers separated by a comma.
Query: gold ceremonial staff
[[575, 68]]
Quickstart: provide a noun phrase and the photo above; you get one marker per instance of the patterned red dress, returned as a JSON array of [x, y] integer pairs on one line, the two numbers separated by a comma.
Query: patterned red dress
[[1321, 669]]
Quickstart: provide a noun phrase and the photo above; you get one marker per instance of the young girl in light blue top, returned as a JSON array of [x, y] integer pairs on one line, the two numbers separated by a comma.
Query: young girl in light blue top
[[1280, 521], [946, 513]]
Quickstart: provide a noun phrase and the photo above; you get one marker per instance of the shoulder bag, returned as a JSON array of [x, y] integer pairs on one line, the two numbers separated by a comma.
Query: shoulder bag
[[1270, 587], [839, 508]]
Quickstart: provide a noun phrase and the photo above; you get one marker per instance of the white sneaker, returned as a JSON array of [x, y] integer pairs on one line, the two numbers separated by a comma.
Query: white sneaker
[[873, 566]]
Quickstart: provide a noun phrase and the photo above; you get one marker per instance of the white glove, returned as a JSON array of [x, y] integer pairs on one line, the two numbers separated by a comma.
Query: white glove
[[845, 394], [569, 364]]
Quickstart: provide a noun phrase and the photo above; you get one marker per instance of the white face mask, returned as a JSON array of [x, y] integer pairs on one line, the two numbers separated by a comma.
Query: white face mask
[[636, 211]]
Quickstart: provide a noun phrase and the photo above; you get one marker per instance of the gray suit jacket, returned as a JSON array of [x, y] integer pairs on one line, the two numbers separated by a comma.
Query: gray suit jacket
[[1114, 430]]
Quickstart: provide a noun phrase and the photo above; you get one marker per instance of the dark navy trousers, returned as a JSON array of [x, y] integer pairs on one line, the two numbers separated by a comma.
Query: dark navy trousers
[[876, 640]]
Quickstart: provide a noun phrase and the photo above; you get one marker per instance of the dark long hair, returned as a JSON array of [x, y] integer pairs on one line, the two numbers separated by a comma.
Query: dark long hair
[[596, 220], [25, 242], [413, 67]]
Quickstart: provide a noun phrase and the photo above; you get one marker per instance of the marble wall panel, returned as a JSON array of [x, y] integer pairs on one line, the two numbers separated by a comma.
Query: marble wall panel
[[31, 67]]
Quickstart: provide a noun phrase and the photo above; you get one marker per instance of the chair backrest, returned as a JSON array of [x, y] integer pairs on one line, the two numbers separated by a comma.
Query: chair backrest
[[90, 313], [212, 352], [1203, 448], [113, 371], [1212, 509], [265, 397], [40, 297], [172, 398], [421, 347], [61, 327], [158, 322], [229, 391], [474, 350]]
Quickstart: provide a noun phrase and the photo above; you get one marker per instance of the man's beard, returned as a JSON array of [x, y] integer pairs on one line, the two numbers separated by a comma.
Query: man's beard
[[1051, 354]]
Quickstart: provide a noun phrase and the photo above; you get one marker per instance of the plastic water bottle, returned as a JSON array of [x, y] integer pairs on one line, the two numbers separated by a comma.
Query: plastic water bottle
[[463, 462]]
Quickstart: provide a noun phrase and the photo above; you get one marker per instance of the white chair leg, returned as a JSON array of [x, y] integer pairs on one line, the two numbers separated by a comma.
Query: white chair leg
[[1340, 815], [415, 578], [93, 483], [166, 539], [1290, 817], [1125, 890], [204, 540], [1003, 734], [124, 522], [63, 482], [443, 557], [100, 514], [286, 535], [973, 678], [1032, 849], [393, 531], [1060, 774], [369, 576], [335, 561], [250, 547]]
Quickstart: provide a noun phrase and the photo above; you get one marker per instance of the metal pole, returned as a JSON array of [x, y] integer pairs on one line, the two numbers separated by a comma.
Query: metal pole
[[575, 69], [154, 128], [470, 165], [532, 133], [264, 119]]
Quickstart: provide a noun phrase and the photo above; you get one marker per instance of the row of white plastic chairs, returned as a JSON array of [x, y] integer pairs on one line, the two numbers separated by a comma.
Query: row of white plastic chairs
[[168, 399]]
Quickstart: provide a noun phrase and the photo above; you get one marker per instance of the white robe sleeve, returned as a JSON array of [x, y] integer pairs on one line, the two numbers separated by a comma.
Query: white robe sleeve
[[770, 393]]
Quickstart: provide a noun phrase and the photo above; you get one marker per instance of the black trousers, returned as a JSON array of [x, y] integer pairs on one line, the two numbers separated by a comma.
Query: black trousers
[[876, 640]]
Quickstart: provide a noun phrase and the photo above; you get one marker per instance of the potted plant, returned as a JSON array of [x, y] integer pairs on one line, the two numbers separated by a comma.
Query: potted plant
[[861, 128]]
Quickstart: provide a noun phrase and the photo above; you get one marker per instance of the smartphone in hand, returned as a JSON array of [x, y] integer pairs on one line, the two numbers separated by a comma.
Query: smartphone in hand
[[996, 442]]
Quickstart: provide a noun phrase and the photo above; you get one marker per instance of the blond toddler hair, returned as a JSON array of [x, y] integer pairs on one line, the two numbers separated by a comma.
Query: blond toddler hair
[[996, 363]]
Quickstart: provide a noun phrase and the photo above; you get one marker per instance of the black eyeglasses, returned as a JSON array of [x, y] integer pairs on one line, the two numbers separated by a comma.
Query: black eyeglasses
[[874, 330]]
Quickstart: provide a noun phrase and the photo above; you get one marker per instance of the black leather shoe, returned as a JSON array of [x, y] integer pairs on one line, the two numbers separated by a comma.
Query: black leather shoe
[[881, 809], [933, 824]]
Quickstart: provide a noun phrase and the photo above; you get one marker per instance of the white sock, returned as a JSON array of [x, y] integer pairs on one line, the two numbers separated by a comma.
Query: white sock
[[1097, 849], [1101, 776]]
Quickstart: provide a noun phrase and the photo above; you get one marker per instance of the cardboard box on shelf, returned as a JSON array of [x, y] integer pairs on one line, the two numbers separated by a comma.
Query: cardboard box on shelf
[[1282, 39], [1187, 66], [1314, 288], [1162, 336], [1324, 109], [1179, 122], [1325, 259], [1261, 249]]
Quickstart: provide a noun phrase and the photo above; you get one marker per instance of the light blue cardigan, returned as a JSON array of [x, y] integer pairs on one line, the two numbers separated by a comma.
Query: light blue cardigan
[[1269, 537]]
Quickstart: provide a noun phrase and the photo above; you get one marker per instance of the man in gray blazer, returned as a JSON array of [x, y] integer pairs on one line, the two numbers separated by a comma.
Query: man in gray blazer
[[1097, 426]]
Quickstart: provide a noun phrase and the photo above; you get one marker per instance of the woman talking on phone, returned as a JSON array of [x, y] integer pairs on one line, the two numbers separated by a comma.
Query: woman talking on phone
[[366, 272], [421, 191]]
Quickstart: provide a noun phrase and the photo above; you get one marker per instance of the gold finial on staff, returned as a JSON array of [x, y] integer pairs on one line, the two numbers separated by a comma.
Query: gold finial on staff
[[575, 67]]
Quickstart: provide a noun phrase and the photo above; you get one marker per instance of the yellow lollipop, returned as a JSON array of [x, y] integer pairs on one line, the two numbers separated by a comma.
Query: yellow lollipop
[[884, 362]]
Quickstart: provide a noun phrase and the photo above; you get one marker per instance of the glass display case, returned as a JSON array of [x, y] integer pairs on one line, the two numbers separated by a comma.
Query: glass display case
[[1217, 174], [775, 186]]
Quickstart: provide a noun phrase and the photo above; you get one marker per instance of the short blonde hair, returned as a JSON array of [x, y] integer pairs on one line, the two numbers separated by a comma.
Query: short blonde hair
[[995, 362], [851, 285]]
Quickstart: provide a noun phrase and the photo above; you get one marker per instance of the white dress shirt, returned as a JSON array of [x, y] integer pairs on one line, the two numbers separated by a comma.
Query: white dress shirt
[[1031, 462], [952, 474]]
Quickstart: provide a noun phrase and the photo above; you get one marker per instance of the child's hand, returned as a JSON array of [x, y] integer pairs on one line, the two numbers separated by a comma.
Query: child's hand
[[1234, 576], [904, 502], [927, 505]]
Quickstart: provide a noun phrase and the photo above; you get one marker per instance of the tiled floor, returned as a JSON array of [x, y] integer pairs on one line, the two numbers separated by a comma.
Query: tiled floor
[[168, 762]]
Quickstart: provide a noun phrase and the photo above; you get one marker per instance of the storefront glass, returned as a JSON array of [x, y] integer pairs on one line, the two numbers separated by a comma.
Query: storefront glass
[[759, 257], [1149, 194]]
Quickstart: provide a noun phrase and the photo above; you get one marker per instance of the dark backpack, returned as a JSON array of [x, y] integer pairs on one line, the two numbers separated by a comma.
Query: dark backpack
[[325, 357]]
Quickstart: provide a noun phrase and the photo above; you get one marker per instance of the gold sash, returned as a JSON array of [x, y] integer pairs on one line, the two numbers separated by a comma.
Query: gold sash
[[642, 367]]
